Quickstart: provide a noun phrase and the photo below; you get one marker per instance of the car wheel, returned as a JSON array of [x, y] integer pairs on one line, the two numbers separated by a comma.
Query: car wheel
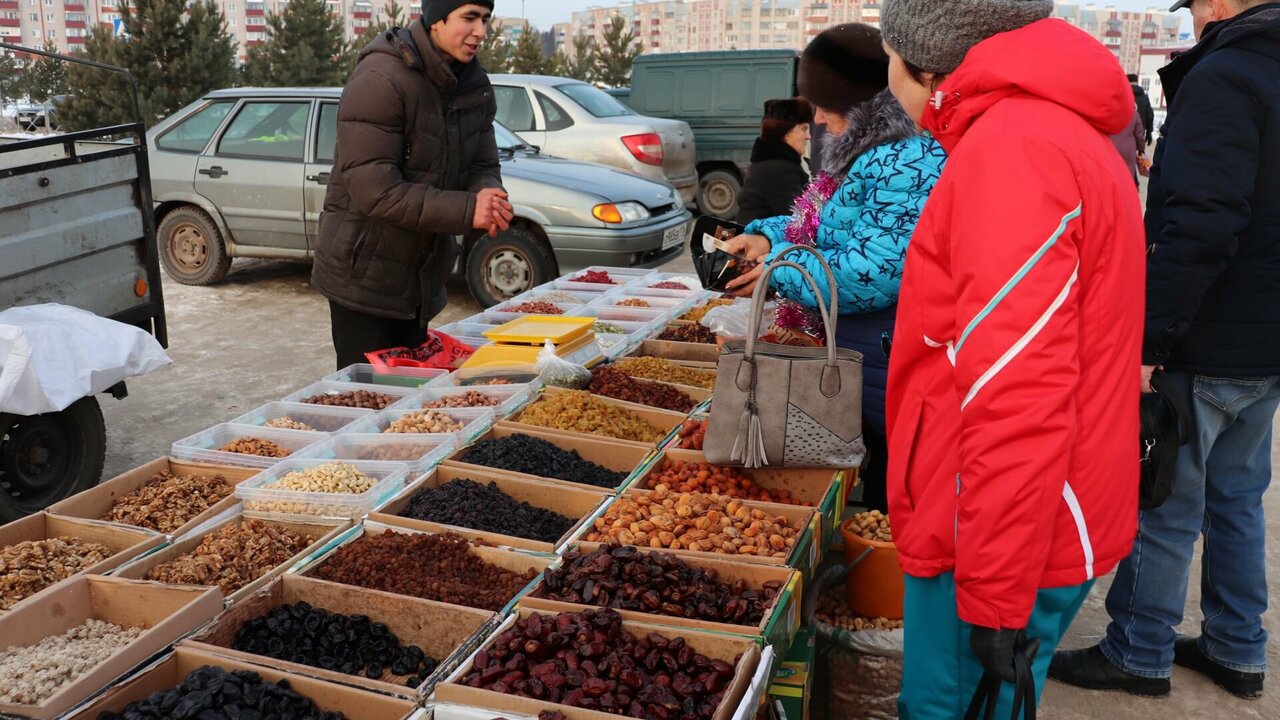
[[46, 458], [499, 268], [191, 248], [718, 194]]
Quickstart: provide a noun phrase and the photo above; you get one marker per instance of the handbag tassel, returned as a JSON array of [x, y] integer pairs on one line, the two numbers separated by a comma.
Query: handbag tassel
[[748, 446]]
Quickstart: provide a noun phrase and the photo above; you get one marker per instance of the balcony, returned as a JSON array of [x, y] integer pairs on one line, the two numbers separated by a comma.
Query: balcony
[[8, 4], [74, 7], [253, 43], [10, 22], [362, 14], [76, 40], [75, 23]]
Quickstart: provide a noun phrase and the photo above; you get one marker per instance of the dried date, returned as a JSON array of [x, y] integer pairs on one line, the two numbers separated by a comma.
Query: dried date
[[614, 383]]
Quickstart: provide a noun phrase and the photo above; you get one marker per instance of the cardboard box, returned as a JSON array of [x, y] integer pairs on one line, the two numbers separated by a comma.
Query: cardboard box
[[166, 613], [323, 532], [614, 455], [661, 419], [745, 650], [825, 489], [125, 543], [804, 554], [779, 625], [792, 684], [442, 631], [515, 560], [171, 670], [578, 503], [672, 350], [95, 503]]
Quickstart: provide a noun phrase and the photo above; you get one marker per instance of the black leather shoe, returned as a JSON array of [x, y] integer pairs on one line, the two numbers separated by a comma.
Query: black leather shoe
[[1187, 653], [1090, 669]]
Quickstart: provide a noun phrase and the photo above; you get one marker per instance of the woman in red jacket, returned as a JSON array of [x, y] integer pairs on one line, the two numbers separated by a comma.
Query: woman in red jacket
[[1013, 478]]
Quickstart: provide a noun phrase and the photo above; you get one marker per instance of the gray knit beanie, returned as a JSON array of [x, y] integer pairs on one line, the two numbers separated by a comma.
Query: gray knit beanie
[[935, 35]]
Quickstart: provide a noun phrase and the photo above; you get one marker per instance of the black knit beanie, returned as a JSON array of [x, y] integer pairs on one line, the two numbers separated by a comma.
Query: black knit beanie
[[782, 116], [433, 11], [843, 67]]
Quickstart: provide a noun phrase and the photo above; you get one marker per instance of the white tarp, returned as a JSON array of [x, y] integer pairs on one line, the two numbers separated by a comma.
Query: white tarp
[[52, 355]]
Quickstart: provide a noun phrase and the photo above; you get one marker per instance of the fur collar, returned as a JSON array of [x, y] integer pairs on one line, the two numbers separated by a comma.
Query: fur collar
[[764, 151], [875, 122]]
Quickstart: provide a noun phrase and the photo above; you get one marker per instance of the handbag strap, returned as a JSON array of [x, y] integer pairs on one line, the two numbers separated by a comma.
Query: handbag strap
[[833, 304], [987, 695], [757, 308]]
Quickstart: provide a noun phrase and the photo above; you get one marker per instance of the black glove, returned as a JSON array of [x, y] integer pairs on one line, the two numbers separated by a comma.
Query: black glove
[[996, 649]]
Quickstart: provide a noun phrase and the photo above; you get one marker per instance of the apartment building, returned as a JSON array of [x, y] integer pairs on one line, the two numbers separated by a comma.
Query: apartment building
[[1124, 32]]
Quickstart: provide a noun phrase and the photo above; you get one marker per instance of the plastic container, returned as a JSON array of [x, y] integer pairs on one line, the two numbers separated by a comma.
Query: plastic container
[[203, 446], [503, 313], [475, 422], [261, 501], [494, 375], [510, 397], [875, 585], [367, 374], [418, 453], [615, 346], [672, 306], [468, 332], [689, 280], [331, 387], [540, 293], [576, 287], [623, 275], [654, 319], [323, 418]]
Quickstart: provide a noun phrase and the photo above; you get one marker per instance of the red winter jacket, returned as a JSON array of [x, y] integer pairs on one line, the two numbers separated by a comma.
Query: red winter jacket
[[1013, 382]]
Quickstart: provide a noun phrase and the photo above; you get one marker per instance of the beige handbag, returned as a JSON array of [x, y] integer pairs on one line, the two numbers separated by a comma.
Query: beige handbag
[[783, 406]]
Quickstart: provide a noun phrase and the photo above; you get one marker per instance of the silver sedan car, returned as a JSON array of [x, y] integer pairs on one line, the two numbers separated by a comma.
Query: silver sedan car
[[242, 173], [572, 119]]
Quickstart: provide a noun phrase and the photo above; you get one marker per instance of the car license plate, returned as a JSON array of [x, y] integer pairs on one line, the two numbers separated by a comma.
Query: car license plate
[[675, 236]]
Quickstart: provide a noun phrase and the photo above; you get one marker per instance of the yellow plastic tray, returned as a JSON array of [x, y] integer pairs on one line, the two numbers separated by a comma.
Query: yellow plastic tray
[[537, 329], [500, 354]]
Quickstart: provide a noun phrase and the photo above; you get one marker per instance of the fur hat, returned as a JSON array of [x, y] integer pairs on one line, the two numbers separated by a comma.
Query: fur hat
[[935, 35], [433, 11], [843, 67], [782, 116]]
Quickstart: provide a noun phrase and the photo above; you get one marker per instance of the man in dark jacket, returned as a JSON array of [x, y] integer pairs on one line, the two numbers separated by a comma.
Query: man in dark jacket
[[416, 164], [777, 174], [1213, 327], [1145, 111]]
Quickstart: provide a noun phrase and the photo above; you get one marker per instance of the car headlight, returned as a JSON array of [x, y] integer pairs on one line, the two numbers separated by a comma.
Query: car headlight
[[624, 212]]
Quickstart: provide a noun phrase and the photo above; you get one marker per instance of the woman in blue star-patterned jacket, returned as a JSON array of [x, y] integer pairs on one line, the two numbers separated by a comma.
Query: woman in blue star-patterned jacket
[[885, 170]]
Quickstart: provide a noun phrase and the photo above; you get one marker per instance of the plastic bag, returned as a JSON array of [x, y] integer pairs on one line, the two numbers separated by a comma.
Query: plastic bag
[[52, 355], [439, 351], [556, 371], [732, 321]]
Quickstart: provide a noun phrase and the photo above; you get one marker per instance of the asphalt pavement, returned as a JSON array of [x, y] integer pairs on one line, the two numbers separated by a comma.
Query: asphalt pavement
[[263, 333]]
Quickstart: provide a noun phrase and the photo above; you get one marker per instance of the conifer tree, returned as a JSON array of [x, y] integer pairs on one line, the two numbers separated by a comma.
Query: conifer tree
[[619, 52], [305, 46], [44, 77], [527, 58]]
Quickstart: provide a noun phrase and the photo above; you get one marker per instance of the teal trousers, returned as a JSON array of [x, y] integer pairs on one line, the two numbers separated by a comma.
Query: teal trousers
[[940, 674]]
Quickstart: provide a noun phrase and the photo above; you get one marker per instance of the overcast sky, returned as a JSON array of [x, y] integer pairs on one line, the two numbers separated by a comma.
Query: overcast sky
[[544, 13]]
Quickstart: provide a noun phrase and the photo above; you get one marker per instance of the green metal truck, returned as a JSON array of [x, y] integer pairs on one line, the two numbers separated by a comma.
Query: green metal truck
[[721, 95]]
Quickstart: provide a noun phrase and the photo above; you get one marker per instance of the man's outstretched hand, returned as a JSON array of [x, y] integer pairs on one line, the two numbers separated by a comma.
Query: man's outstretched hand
[[493, 211]]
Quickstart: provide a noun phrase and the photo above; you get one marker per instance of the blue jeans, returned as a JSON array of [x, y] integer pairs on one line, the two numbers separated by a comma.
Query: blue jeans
[[940, 673], [1217, 491]]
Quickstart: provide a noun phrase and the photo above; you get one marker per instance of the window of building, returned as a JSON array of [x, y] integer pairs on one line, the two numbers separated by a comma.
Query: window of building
[[35, 17], [51, 34], [269, 130], [231, 7], [231, 22], [48, 17], [77, 32]]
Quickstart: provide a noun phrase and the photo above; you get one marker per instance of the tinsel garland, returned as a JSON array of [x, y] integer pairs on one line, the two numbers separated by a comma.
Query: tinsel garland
[[806, 218]]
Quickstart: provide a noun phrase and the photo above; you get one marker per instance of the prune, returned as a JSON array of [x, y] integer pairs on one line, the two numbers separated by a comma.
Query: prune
[[349, 644], [467, 503], [210, 692]]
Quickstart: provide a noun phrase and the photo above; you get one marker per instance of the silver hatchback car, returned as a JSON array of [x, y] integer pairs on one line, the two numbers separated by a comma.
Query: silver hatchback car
[[571, 119], [242, 173]]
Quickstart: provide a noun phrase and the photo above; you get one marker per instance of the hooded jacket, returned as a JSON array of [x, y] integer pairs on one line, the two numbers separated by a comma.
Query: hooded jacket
[[1013, 403], [415, 144], [888, 170], [773, 181], [1213, 205]]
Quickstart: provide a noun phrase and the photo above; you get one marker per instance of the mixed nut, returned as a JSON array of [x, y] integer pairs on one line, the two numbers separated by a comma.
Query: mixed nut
[[625, 578], [33, 674], [534, 456], [287, 423], [590, 660], [583, 412], [682, 477], [470, 398], [210, 691], [611, 382], [349, 644], [353, 399], [871, 525], [333, 477], [168, 501], [469, 504], [233, 556], [255, 446], [31, 566], [663, 370], [425, 421], [434, 567], [694, 521]]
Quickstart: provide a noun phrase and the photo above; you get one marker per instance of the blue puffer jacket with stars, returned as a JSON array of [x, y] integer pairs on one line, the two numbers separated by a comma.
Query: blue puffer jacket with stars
[[889, 169]]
